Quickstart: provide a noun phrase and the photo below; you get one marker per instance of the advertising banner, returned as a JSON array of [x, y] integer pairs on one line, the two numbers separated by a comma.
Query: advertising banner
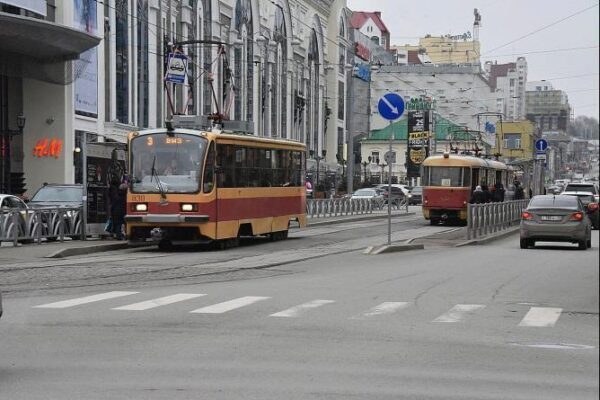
[[85, 18], [418, 142]]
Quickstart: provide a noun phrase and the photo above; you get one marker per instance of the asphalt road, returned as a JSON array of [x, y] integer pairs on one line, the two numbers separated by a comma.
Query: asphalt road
[[481, 322]]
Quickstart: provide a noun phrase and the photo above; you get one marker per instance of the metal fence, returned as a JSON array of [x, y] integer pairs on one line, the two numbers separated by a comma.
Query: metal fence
[[28, 226], [485, 219], [323, 208]]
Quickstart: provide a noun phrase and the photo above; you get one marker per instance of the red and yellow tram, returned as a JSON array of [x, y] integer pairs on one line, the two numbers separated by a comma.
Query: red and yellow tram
[[189, 186], [448, 181]]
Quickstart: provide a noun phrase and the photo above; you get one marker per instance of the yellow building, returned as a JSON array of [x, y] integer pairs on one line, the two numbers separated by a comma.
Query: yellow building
[[459, 49], [516, 140]]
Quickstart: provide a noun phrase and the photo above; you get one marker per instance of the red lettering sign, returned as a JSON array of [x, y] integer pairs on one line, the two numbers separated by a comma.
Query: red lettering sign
[[363, 51], [48, 148]]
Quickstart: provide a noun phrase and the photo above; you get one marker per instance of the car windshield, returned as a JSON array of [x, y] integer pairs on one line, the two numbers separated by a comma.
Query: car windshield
[[569, 202], [160, 162], [58, 194], [417, 190]]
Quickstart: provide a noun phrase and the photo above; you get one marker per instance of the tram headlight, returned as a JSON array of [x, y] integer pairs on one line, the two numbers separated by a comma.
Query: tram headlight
[[186, 207], [141, 207]]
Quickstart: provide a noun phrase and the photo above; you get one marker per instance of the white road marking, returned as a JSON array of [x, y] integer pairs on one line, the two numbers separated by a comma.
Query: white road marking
[[556, 346], [162, 301], [541, 317], [85, 300], [384, 308], [458, 312], [295, 311], [229, 305]]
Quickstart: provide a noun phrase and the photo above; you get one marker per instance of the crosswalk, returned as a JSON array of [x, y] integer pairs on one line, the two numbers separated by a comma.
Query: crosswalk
[[536, 317]]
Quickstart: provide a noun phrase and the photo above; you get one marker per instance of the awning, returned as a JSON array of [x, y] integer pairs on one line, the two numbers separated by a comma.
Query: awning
[[42, 40]]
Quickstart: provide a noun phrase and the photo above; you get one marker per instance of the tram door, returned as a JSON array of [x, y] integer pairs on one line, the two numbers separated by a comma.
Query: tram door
[[474, 178]]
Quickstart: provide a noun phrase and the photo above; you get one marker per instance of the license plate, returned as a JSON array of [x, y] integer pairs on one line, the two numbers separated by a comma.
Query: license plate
[[551, 218]]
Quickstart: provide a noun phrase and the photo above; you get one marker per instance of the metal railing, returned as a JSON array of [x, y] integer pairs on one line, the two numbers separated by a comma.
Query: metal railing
[[488, 218], [323, 208], [33, 225]]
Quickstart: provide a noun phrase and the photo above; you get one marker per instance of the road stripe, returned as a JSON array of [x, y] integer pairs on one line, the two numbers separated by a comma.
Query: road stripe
[[295, 311], [541, 317], [85, 300], [388, 307], [162, 301], [458, 312], [229, 305]]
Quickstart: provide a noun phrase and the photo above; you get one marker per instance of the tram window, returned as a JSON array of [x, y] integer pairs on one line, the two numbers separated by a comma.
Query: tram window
[[425, 176], [447, 176], [466, 177], [209, 170], [226, 162]]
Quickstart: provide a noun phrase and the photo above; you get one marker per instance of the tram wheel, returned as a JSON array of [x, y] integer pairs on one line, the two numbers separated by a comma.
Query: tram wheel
[[434, 221]]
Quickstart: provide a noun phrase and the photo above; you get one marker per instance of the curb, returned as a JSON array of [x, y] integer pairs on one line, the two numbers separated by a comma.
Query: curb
[[392, 248], [76, 251], [488, 239]]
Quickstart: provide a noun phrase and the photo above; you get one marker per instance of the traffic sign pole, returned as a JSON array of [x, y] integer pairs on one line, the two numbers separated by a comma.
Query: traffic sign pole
[[391, 107]]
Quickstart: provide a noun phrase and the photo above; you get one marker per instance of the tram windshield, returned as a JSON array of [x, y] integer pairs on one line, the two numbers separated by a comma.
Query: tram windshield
[[162, 163], [446, 176]]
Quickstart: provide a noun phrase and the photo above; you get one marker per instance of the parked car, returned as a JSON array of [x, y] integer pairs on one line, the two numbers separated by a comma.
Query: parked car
[[372, 194], [13, 203], [590, 203], [416, 195], [552, 218], [590, 187], [399, 192], [54, 195]]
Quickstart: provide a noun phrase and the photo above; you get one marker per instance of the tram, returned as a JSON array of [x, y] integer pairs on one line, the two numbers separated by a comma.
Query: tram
[[190, 186], [448, 181]]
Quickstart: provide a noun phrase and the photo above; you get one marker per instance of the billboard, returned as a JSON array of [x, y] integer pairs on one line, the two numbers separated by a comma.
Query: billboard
[[85, 18], [418, 142]]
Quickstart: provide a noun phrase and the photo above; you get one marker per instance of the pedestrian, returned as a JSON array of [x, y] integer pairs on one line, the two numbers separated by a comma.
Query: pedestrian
[[499, 192], [118, 198], [487, 195], [478, 196], [519, 193]]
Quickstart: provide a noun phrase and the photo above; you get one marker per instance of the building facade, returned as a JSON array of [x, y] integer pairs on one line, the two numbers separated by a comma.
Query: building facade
[[509, 83], [547, 108], [277, 66]]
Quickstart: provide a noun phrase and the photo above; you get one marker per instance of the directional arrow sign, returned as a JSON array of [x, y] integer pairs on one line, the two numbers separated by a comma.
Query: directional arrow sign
[[541, 145], [391, 106]]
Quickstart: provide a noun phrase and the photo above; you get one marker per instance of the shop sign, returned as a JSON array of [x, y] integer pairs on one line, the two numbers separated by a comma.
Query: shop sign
[[362, 51], [48, 148], [363, 72], [418, 142]]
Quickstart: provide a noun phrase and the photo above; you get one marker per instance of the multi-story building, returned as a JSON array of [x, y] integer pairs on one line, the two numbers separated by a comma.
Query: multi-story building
[[40, 42], [547, 108], [459, 49], [509, 83], [279, 70], [371, 25]]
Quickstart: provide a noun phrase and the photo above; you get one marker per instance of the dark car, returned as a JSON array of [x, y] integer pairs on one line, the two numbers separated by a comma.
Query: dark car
[[416, 196], [397, 197], [590, 203], [54, 196], [550, 218]]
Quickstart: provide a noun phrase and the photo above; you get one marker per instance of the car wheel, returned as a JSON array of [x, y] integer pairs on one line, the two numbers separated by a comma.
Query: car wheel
[[583, 245], [524, 243]]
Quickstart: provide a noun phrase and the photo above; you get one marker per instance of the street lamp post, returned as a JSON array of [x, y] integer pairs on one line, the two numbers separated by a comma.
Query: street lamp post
[[318, 160], [5, 146]]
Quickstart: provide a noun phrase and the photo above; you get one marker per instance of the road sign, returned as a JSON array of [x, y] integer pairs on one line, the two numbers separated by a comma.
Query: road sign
[[540, 156], [177, 68], [391, 106], [541, 145]]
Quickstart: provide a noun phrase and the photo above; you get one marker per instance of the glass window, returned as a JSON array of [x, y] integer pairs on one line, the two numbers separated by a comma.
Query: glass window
[[58, 194], [445, 176], [169, 164], [122, 61], [208, 181], [568, 202]]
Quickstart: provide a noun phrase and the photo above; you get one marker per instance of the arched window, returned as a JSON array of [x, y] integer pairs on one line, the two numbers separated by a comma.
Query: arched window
[[312, 110], [243, 58], [279, 77]]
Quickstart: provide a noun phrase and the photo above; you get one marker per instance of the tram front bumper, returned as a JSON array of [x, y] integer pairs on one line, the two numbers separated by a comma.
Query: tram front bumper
[[166, 218]]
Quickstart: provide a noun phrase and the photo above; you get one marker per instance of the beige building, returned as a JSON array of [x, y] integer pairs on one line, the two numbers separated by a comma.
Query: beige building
[[459, 49]]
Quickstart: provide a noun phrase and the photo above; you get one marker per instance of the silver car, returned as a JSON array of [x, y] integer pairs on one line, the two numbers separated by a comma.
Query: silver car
[[550, 218]]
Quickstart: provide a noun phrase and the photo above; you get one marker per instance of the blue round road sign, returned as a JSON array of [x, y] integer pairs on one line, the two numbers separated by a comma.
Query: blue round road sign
[[391, 106], [541, 144]]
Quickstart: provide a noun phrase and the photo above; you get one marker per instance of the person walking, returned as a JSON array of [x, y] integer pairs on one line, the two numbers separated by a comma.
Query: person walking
[[118, 199], [519, 192], [478, 197], [499, 192], [487, 195]]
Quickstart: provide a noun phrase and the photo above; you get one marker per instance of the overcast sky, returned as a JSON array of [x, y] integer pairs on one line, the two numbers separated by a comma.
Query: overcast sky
[[574, 71]]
